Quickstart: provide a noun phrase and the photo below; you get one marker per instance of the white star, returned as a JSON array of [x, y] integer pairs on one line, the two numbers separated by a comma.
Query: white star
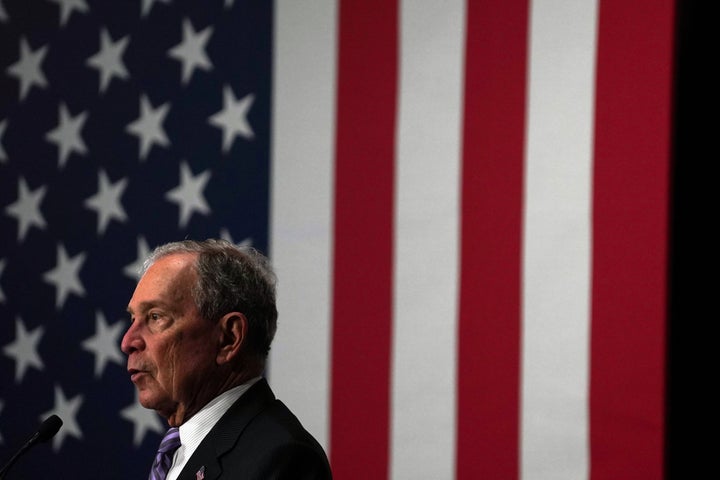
[[107, 201], [27, 69], [26, 209], [188, 194], [133, 270], [3, 155], [67, 7], [108, 60], [67, 135], [147, 5], [191, 51], [2, 267], [105, 344], [24, 349], [233, 118], [148, 126], [65, 276], [229, 4], [67, 411], [225, 235], [144, 420]]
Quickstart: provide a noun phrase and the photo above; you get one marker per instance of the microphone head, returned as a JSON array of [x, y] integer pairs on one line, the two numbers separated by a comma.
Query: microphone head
[[49, 428]]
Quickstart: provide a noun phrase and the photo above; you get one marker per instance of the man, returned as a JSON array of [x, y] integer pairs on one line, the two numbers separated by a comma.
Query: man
[[203, 316]]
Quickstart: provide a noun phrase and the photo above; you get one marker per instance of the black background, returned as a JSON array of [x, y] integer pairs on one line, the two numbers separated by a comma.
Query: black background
[[692, 445]]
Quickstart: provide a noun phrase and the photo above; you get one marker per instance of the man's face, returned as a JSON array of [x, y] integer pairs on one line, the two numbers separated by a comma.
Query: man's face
[[171, 349]]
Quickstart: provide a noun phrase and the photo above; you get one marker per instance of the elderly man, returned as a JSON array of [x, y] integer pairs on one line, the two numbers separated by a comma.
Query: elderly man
[[203, 316]]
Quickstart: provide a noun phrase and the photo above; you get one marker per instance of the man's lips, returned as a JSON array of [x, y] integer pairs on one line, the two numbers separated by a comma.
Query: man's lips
[[135, 374]]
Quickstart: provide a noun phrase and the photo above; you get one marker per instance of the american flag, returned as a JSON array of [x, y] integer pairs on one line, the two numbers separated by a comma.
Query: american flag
[[465, 202], [123, 125]]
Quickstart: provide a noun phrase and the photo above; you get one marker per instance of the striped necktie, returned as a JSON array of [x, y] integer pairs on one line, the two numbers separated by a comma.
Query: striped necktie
[[164, 456]]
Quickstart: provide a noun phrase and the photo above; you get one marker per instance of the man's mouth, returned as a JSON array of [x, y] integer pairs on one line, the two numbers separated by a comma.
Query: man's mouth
[[135, 374]]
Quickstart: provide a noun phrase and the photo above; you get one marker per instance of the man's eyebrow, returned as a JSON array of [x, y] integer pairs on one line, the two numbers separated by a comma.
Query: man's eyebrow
[[147, 305], [141, 307]]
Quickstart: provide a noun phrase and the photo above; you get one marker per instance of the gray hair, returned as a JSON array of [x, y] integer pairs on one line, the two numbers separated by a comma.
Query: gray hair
[[231, 278]]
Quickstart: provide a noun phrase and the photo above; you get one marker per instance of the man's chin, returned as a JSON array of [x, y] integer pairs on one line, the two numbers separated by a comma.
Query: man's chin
[[148, 399], [162, 406]]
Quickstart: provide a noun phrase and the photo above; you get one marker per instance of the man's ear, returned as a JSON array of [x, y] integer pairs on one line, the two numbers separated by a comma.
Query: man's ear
[[233, 332]]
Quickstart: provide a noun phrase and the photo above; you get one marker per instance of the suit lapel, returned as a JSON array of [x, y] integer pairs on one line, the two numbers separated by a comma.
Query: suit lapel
[[224, 435]]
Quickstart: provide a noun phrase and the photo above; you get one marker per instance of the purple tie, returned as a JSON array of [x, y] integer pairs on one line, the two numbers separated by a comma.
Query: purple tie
[[164, 456]]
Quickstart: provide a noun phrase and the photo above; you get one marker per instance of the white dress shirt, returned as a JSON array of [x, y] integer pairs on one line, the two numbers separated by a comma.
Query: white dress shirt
[[199, 425]]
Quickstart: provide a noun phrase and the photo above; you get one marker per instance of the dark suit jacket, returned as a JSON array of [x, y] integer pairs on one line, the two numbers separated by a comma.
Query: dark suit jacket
[[258, 438]]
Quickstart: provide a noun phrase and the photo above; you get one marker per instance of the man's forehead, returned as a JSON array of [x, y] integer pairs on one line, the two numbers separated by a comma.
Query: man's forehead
[[169, 279], [170, 268], [175, 260]]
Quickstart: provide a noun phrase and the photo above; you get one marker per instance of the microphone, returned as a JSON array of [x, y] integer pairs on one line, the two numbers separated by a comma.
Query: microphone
[[45, 432]]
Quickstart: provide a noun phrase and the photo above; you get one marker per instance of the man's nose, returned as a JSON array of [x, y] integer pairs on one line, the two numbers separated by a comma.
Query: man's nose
[[132, 340]]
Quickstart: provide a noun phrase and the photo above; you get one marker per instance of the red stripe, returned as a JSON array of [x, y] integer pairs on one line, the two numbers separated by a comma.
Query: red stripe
[[492, 192], [362, 297], [630, 236]]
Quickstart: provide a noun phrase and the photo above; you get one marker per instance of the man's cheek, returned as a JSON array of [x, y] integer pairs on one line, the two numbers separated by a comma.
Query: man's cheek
[[171, 370]]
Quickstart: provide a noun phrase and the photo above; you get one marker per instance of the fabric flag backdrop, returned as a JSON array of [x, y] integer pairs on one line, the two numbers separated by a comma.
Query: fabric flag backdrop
[[469, 221], [466, 204], [124, 125]]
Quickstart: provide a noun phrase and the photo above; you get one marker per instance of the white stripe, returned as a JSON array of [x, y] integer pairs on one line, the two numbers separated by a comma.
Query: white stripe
[[557, 240], [301, 206], [426, 239]]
